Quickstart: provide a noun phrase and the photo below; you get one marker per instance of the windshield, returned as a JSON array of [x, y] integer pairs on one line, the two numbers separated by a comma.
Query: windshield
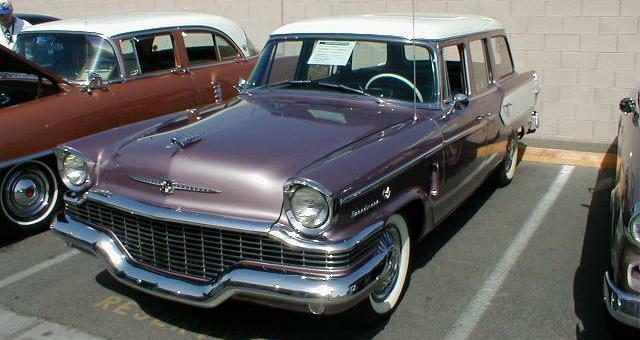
[[381, 69], [72, 56]]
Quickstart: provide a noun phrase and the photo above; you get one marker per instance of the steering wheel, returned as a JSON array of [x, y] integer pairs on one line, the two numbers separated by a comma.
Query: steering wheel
[[397, 77]]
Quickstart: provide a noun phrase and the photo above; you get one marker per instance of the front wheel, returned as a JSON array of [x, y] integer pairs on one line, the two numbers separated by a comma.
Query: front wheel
[[29, 196], [392, 281], [507, 169]]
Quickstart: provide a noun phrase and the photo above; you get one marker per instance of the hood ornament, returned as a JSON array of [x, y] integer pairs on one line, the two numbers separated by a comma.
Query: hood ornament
[[178, 144], [169, 187]]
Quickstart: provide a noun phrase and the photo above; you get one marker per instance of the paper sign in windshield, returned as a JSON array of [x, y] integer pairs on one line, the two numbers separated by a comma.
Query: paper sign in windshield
[[332, 53]]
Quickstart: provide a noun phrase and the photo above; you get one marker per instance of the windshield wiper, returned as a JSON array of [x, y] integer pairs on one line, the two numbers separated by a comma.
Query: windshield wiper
[[323, 84]]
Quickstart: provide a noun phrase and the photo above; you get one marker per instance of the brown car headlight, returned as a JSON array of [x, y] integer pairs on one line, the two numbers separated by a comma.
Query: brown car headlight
[[307, 206], [75, 169]]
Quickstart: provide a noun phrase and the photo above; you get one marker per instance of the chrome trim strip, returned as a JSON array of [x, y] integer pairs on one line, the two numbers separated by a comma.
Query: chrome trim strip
[[294, 290], [466, 132], [622, 306], [389, 175], [27, 158], [172, 215]]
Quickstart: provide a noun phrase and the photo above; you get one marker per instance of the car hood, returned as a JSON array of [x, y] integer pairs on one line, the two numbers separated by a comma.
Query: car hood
[[245, 152], [11, 62]]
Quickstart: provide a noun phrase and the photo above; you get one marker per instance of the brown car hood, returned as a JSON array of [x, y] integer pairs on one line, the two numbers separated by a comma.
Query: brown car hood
[[246, 151], [11, 62]]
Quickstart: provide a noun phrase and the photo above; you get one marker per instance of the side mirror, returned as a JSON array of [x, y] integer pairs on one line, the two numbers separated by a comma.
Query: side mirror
[[628, 105], [460, 101], [241, 86], [95, 83]]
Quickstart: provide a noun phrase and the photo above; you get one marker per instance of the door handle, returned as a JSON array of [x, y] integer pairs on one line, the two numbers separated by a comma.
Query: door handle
[[180, 71]]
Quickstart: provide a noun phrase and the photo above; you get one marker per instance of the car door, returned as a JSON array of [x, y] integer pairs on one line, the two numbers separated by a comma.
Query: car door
[[463, 125], [215, 63], [156, 79]]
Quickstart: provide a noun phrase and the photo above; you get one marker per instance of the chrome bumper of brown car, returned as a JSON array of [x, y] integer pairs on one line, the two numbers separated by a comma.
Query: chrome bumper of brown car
[[623, 306], [283, 288], [534, 122]]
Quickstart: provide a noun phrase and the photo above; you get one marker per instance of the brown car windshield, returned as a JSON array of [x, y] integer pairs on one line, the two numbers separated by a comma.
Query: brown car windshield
[[381, 69], [71, 56]]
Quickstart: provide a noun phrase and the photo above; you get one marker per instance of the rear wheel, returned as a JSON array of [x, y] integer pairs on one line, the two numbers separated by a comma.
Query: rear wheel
[[393, 280], [507, 169], [29, 195]]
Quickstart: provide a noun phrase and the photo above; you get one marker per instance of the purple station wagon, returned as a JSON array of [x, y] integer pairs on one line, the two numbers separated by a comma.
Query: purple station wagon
[[353, 138]]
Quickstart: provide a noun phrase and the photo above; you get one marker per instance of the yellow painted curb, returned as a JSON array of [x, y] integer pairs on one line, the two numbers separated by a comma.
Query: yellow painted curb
[[569, 157]]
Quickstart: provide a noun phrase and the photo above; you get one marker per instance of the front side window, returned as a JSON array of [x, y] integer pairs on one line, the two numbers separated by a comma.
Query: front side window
[[381, 69], [201, 47], [71, 56], [454, 66], [479, 66], [501, 56]]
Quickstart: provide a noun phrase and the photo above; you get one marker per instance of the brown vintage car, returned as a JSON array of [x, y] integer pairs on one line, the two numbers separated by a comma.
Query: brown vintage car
[[87, 75]]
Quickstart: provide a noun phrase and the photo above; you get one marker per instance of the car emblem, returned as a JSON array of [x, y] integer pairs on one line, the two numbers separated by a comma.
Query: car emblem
[[178, 144], [386, 193], [169, 187]]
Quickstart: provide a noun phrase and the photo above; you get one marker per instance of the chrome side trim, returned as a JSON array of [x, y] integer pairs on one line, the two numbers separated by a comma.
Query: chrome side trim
[[293, 290], [622, 306], [389, 175], [466, 132]]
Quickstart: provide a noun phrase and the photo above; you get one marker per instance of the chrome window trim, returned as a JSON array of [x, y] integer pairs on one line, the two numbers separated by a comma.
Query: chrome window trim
[[390, 175], [108, 39]]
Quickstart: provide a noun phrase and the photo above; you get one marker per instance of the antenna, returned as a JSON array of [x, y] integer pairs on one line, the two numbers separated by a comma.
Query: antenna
[[413, 36]]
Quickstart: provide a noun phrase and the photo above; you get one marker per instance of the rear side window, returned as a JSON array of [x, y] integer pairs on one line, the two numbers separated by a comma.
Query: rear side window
[[201, 47], [479, 66], [154, 53], [227, 51], [501, 56]]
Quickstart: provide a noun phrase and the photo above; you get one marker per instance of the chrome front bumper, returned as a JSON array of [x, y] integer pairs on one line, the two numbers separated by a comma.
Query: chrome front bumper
[[623, 306], [281, 288]]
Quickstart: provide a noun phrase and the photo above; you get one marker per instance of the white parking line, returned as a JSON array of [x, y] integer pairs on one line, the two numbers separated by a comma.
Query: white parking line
[[468, 320], [37, 268]]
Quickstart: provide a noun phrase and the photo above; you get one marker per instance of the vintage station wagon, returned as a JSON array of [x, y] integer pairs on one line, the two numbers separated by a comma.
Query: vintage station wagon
[[95, 74], [351, 141]]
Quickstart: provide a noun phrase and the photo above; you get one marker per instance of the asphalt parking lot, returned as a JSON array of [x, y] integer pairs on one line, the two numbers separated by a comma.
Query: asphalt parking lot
[[522, 262]]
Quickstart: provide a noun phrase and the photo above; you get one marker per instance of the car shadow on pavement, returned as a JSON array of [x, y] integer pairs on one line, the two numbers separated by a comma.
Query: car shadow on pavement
[[238, 319], [588, 279]]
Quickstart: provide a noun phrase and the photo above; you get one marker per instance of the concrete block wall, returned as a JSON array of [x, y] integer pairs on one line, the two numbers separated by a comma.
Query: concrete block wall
[[587, 52]]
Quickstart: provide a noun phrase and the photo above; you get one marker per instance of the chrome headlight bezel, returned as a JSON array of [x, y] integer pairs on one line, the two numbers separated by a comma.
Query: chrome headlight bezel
[[61, 154], [290, 188], [633, 228]]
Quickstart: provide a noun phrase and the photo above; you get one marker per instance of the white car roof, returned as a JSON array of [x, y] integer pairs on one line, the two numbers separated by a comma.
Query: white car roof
[[427, 26], [118, 24]]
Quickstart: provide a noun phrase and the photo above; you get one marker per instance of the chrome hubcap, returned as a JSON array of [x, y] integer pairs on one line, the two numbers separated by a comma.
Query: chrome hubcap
[[390, 241], [27, 193]]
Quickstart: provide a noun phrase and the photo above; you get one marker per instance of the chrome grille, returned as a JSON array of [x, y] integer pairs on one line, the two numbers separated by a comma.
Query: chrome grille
[[203, 252]]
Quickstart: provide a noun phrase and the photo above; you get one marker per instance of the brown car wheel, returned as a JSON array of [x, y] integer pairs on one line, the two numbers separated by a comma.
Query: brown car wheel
[[29, 196], [506, 171]]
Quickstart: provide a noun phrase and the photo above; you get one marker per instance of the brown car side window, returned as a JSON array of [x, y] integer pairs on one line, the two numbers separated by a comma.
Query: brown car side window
[[226, 49], [201, 47], [454, 60], [130, 58], [481, 78], [155, 53]]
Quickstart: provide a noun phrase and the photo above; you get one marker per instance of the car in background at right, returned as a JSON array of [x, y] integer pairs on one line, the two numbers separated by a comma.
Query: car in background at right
[[622, 281]]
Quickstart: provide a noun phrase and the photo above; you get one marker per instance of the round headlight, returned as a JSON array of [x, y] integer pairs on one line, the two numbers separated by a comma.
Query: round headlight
[[634, 228], [309, 207], [75, 170]]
